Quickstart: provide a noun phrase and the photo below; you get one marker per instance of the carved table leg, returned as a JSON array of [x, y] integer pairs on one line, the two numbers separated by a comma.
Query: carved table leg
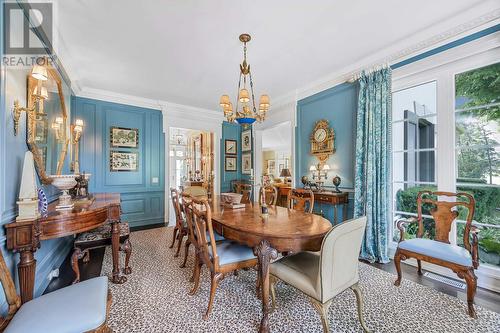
[[115, 247], [77, 255], [265, 253], [127, 248], [26, 269]]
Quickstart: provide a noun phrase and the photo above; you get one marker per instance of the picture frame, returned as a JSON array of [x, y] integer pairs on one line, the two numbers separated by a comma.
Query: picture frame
[[231, 147], [246, 164], [122, 137], [246, 140], [230, 163], [271, 166], [120, 161]]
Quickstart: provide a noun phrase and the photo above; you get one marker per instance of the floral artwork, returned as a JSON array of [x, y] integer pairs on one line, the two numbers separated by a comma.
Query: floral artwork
[[124, 137], [124, 161]]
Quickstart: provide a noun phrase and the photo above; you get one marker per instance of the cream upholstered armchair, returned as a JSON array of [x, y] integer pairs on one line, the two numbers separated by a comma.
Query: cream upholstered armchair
[[325, 274]]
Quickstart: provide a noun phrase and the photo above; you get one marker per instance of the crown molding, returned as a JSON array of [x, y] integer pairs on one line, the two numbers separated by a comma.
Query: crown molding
[[390, 56]]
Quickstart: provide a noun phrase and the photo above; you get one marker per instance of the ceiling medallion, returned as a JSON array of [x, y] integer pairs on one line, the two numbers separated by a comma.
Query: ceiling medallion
[[248, 113]]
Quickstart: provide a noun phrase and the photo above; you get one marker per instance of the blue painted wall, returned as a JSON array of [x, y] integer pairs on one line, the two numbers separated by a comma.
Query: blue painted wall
[[142, 199], [231, 131], [338, 106], [12, 149]]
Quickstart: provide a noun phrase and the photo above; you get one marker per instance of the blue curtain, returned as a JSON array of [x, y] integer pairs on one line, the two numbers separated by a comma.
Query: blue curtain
[[373, 164]]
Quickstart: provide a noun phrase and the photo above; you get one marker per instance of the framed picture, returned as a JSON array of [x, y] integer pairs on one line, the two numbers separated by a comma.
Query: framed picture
[[246, 164], [271, 166], [124, 137], [123, 161], [246, 140], [231, 147], [230, 163]]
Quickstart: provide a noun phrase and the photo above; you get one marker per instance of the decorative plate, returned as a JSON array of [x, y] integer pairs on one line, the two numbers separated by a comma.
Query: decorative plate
[[43, 204]]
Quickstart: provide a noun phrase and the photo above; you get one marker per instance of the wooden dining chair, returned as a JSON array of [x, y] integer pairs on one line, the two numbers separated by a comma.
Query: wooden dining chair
[[300, 199], [271, 195], [192, 239], [221, 258], [325, 274], [81, 307], [246, 191], [180, 229], [438, 251]]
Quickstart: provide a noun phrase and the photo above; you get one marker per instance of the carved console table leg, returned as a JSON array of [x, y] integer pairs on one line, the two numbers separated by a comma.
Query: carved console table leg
[[26, 269], [265, 253], [115, 247]]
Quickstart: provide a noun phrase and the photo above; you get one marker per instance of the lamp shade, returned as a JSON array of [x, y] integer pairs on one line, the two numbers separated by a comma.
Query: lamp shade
[[264, 101], [325, 167], [79, 122], [243, 96], [312, 168], [39, 73], [285, 173], [224, 101]]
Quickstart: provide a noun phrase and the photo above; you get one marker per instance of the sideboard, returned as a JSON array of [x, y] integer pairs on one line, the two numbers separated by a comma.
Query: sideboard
[[25, 236]]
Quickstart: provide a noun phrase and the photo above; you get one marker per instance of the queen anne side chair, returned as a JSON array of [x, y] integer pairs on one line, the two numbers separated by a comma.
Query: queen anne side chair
[[271, 194], [82, 307], [185, 199], [221, 258], [246, 191], [180, 229], [325, 274], [301, 199], [462, 260]]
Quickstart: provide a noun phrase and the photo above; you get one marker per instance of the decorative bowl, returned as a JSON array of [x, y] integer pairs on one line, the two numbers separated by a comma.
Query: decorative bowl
[[64, 183], [230, 198]]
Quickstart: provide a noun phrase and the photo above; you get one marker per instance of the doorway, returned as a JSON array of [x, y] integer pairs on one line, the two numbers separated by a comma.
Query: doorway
[[191, 161]]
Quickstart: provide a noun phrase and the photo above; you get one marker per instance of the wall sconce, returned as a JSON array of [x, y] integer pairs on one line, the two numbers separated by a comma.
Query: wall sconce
[[40, 94], [320, 172], [76, 134], [57, 126], [39, 73]]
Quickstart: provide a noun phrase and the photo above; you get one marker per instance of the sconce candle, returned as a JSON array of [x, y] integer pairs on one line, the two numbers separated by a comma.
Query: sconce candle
[[76, 133]]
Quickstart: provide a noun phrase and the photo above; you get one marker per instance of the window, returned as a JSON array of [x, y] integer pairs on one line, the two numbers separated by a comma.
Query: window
[[477, 162], [414, 133]]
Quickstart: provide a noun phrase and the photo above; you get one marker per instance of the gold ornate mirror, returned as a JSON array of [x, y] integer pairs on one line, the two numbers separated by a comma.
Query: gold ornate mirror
[[47, 124]]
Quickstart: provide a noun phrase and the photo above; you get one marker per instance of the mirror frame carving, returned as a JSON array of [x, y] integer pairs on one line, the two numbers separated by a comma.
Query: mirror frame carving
[[31, 126]]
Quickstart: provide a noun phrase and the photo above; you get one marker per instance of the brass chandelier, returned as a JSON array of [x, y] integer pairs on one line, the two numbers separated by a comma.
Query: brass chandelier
[[248, 113]]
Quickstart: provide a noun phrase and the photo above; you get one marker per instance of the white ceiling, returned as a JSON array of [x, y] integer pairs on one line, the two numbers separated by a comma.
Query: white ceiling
[[187, 51]]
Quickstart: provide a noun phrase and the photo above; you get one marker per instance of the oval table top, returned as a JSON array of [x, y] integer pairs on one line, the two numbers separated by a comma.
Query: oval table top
[[286, 229]]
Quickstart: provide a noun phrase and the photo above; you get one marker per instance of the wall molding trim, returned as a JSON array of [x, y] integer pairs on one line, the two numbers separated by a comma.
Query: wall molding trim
[[345, 74]]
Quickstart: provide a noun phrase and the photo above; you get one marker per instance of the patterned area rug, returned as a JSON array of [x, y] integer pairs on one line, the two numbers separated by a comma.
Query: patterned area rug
[[155, 299]]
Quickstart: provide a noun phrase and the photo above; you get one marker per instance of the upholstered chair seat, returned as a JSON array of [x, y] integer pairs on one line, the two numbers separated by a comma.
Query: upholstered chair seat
[[325, 274], [301, 271], [78, 308], [196, 191], [100, 237], [447, 252], [230, 252]]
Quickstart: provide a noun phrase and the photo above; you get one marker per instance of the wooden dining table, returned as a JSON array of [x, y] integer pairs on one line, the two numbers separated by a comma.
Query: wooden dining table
[[283, 230]]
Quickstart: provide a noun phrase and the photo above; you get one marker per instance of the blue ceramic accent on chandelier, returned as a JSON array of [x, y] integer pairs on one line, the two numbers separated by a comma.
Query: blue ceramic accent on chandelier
[[142, 191], [247, 121]]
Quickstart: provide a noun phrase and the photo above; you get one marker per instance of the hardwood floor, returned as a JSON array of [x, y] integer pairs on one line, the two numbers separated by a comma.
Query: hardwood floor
[[485, 298]]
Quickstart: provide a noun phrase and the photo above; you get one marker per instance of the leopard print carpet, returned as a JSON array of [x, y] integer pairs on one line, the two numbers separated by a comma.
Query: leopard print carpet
[[155, 299]]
